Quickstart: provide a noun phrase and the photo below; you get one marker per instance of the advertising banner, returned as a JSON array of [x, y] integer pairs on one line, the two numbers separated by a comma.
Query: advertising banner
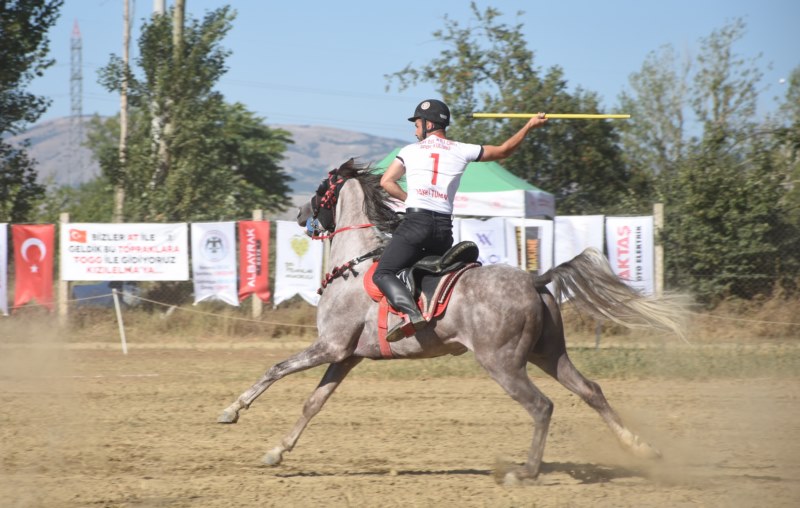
[[214, 262], [4, 269], [254, 259], [574, 233], [494, 245], [33, 263], [630, 244], [136, 252], [534, 243], [298, 264]]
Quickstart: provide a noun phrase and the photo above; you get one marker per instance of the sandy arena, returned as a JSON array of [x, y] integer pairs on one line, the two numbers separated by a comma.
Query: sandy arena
[[84, 426]]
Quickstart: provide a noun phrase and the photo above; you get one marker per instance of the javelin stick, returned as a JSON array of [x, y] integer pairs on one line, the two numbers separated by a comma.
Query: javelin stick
[[565, 116]]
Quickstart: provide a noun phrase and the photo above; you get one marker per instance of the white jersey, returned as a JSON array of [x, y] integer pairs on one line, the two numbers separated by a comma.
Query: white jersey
[[433, 171]]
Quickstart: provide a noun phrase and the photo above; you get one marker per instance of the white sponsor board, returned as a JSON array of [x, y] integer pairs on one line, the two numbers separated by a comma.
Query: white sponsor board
[[298, 264], [138, 252], [574, 233], [214, 262], [630, 251], [494, 245]]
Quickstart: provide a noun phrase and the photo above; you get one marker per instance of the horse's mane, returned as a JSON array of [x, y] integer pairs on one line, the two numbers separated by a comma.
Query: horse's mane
[[375, 198]]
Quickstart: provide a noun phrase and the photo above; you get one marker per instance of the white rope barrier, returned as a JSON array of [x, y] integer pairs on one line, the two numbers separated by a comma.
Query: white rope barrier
[[279, 323]]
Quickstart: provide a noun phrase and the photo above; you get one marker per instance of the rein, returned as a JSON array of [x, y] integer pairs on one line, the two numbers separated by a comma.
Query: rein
[[323, 220], [341, 271], [342, 230]]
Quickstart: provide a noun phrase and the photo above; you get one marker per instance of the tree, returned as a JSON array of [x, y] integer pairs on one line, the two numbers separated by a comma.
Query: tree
[[216, 161], [91, 201], [19, 191], [24, 25], [655, 140], [788, 135], [489, 67], [726, 230]]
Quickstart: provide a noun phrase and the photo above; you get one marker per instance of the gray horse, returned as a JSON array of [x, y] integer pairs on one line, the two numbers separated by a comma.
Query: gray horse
[[506, 317]]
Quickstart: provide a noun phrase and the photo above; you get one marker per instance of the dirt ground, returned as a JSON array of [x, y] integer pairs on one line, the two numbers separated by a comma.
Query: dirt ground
[[81, 425]]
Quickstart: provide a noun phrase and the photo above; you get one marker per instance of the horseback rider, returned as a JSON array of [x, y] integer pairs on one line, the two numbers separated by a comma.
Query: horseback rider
[[433, 167]]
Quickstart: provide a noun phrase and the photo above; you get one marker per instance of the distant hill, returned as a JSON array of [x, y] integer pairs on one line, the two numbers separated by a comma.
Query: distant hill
[[316, 150]]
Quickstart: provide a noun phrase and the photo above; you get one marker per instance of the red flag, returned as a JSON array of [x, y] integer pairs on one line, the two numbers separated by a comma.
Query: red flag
[[77, 235], [254, 259], [33, 263]]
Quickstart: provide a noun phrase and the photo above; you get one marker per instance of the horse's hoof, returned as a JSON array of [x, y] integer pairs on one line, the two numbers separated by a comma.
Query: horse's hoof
[[644, 450], [638, 447], [273, 457], [511, 479], [647, 451], [509, 474], [228, 417]]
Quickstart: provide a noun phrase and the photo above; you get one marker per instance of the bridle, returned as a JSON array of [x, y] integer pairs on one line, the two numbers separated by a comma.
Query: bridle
[[322, 223]]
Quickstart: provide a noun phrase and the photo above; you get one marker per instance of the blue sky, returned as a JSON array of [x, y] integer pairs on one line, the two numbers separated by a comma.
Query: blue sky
[[323, 63]]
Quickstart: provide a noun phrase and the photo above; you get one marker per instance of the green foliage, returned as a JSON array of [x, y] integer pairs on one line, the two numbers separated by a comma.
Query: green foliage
[[654, 140], [19, 191], [725, 234], [88, 202], [190, 156], [729, 229], [787, 152], [489, 67], [23, 25]]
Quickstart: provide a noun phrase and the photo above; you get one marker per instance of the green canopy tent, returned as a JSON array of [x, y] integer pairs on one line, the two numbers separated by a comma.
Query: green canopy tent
[[487, 189]]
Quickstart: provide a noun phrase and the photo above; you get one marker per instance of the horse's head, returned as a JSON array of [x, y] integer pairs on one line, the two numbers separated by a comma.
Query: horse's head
[[318, 215]]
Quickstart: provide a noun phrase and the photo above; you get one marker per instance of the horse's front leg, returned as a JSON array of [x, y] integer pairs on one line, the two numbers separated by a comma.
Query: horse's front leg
[[317, 354], [330, 381]]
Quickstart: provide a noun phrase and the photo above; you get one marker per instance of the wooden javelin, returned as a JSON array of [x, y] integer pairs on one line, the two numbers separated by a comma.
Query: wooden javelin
[[566, 116]]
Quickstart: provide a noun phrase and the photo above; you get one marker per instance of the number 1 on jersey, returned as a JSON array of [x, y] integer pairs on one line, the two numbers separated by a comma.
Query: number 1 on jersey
[[435, 157]]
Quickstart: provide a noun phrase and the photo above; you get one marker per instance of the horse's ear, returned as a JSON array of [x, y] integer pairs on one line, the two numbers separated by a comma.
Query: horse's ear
[[348, 164]]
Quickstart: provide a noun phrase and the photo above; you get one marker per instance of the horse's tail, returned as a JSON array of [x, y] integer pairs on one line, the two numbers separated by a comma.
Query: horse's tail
[[588, 282]]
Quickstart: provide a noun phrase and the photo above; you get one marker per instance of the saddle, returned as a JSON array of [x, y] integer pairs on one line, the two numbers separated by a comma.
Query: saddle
[[424, 276], [431, 280]]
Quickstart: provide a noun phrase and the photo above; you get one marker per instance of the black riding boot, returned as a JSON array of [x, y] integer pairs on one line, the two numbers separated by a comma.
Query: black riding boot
[[400, 298]]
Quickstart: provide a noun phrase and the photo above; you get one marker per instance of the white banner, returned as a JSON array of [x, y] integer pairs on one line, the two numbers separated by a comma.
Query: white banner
[[138, 252], [214, 262], [630, 251], [512, 203], [4, 269], [494, 245], [298, 264], [574, 233], [534, 243], [456, 230]]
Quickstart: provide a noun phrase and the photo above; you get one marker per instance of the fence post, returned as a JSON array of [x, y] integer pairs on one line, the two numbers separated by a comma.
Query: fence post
[[258, 306], [658, 222], [63, 285]]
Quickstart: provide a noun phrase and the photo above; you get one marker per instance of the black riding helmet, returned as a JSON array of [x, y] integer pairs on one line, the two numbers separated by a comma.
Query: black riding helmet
[[434, 111]]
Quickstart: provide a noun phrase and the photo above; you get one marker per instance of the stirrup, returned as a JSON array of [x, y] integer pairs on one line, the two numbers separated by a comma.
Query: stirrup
[[405, 328]]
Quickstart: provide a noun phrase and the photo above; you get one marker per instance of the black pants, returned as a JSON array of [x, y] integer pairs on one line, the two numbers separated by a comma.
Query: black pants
[[421, 234]]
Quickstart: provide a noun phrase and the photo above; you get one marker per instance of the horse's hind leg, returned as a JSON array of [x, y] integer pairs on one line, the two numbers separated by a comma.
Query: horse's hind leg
[[316, 354], [330, 381], [568, 375], [519, 386], [550, 355]]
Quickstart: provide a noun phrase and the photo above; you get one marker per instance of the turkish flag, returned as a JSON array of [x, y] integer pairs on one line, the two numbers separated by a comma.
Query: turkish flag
[[33, 263], [254, 259], [77, 235]]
